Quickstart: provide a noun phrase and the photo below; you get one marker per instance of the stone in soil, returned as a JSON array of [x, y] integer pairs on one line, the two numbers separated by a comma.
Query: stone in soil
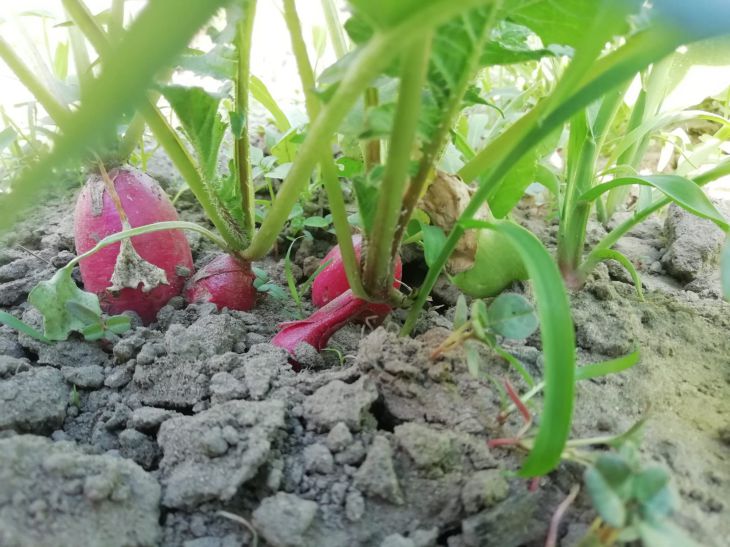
[[33, 401], [283, 519], [693, 244], [340, 402], [53, 494], [210, 455], [376, 476]]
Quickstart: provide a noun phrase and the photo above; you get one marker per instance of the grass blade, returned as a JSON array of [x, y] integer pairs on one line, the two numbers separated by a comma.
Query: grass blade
[[605, 368], [684, 192], [558, 341], [17, 324]]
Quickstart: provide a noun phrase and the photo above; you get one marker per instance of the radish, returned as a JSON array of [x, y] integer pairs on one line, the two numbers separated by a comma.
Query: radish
[[160, 262], [226, 281], [338, 306], [317, 329], [332, 281]]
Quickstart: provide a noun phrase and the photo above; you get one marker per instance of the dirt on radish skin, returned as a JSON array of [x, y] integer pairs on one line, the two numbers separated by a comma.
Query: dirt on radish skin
[[144, 202], [226, 282]]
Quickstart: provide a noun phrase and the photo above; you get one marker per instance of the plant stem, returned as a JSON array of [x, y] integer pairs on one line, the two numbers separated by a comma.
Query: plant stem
[[626, 226], [433, 150], [334, 28], [330, 177], [372, 146], [378, 271], [147, 229], [372, 58], [171, 144], [45, 98], [571, 237], [116, 20], [244, 33], [599, 76]]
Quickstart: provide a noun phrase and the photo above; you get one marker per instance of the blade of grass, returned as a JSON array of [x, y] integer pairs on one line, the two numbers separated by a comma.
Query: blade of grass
[[17, 324], [558, 342]]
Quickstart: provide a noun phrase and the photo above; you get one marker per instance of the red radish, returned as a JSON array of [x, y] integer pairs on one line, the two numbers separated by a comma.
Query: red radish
[[332, 281], [159, 261], [339, 306], [226, 282], [323, 323]]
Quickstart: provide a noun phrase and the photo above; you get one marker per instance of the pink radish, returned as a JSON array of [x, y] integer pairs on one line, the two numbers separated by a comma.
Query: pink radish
[[332, 281], [323, 323], [162, 261], [338, 306], [226, 282]]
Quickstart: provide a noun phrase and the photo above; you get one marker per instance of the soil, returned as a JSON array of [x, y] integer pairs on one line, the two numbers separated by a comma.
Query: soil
[[145, 440]]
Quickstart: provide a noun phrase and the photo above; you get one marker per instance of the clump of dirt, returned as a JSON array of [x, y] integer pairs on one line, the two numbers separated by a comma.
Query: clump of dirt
[[146, 439]]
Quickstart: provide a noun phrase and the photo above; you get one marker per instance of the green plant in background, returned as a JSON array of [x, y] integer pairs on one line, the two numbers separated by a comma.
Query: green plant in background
[[633, 501], [409, 78]]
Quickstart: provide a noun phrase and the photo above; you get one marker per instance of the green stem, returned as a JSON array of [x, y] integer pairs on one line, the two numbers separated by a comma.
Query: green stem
[[434, 148], [330, 177], [372, 146], [372, 58], [606, 73], [243, 146], [334, 28], [378, 270], [626, 226], [180, 157], [55, 109], [116, 21], [146, 229], [571, 237]]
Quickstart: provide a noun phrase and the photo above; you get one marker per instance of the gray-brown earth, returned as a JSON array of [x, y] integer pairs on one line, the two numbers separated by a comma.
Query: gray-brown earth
[[198, 414]]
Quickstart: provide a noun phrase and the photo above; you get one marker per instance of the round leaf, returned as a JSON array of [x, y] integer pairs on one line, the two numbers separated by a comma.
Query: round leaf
[[512, 316]]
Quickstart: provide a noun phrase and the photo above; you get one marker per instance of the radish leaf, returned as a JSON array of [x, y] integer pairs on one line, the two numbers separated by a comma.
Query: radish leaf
[[198, 112], [65, 307]]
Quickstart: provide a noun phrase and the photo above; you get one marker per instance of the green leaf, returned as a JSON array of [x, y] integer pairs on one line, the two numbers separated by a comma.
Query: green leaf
[[684, 192], [15, 323], [60, 61], [65, 307], [595, 370], [7, 137], [725, 268], [606, 501], [93, 332], [662, 534], [433, 241], [515, 183], [118, 324], [558, 342], [386, 13], [261, 93], [198, 112], [219, 62], [508, 44], [461, 312], [568, 21], [317, 222], [612, 254], [512, 316], [653, 490], [366, 191]]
